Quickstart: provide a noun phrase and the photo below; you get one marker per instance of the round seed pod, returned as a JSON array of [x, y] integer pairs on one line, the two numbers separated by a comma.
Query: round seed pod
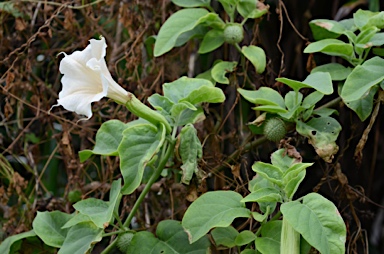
[[233, 33], [274, 129]]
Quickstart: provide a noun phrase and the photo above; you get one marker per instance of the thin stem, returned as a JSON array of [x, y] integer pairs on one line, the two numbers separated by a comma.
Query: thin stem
[[169, 147]]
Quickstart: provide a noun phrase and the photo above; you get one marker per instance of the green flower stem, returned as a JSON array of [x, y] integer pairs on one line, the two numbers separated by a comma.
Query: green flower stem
[[141, 110], [168, 147], [290, 239]]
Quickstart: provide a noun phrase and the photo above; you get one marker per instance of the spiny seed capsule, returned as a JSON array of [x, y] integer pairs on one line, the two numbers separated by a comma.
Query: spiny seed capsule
[[274, 129], [233, 33], [124, 241]]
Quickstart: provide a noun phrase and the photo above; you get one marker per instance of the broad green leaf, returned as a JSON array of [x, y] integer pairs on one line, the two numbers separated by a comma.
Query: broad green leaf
[[318, 221], [256, 55], [259, 182], [225, 236], [363, 106], [271, 109], [292, 185], [192, 3], [99, 211], [245, 237], [211, 41], [268, 171], [190, 151], [229, 6], [263, 195], [78, 218], [364, 19], [311, 99], [337, 71], [80, 238], [362, 79], [321, 81], [263, 96], [190, 117], [48, 226], [171, 239], [295, 170], [363, 39], [326, 29], [293, 99], [377, 40], [179, 107], [331, 47], [181, 88], [281, 160], [108, 138], [322, 133], [213, 209], [221, 69], [269, 242], [6, 245], [140, 143], [198, 31], [160, 102], [246, 7], [206, 75], [325, 112], [205, 93], [213, 20], [261, 217], [180, 22]]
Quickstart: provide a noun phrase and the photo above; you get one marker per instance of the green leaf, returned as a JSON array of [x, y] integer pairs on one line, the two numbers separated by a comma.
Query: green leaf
[[322, 133], [256, 55], [271, 109], [80, 238], [181, 88], [281, 160], [191, 116], [325, 112], [171, 239], [321, 81], [78, 218], [11, 9], [221, 69], [337, 71], [245, 237], [213, 209], [269, 242], [293, 99], [229, 6], [250, 9], [99, 211], [261, 217], [362, 79], [363, 106], [140, 143], [263, 96], [179, 107], [364, 19], [161, 103], [6, 245], [211, 41], [263, 195], [180, 22], [292, 185], [48, 226], [311, 99], [377, 40], [260, 182], [205, 93], [331, 47], [108, 138], [225, 236], [190, 151], [326, 29], [192, 3], [268, 171], [318, 221]]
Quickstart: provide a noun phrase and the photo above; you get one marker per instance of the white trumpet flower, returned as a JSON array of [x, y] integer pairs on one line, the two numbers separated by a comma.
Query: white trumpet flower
[[87, 79]]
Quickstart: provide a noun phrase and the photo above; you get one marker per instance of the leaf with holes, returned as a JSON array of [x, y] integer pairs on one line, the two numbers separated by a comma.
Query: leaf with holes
[[213, 209], [322, 133]]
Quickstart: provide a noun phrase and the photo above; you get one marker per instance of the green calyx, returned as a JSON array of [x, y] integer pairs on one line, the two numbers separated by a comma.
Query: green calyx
[[274, 129], [233, 33]]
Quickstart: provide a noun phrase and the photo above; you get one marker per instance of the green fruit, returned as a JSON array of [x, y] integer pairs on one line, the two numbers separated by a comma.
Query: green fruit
[[233, 33], [124, 240], [74, 196], [274, 129]]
